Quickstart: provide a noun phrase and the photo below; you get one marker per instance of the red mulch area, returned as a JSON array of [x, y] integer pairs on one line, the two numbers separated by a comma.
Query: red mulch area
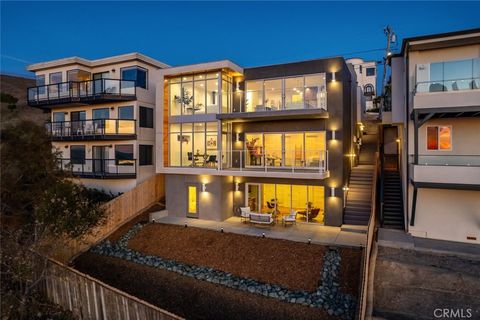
[[291, 264], [188, 297]]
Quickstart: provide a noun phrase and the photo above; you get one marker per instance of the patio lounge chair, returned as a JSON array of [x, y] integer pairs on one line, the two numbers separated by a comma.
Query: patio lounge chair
[[261, 218], [292, 217], [244, 213]]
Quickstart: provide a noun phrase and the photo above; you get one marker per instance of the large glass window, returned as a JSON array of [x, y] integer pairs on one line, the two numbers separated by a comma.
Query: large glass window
[[196, 94], [300, 92], [226, 94], [137, 74], [55, 77], [125, 122], [193, 144], [254, 96], [273, 94], [78, 75], [292, 149], [306, 202]]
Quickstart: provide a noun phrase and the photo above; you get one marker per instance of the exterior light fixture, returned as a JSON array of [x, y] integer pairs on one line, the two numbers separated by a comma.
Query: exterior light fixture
[[333, 135], [333, 77], [153, 220], [237, 186], [309, 241], [112, 108], [185, 224], [66, 147], [263, 234], [204, 187], [398, 140], [237, 87], [346, 188], [332, 192], [221, 230]]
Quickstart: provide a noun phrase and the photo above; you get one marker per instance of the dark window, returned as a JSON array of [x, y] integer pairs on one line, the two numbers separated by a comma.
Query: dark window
[[361, 69], [137, 74], [368, 89], [102, 113], [55, 77], [40, 80], [77, 154], [146, 155], [125, 113], [100, 75], [146, 117], [124, 155], [370, 72]]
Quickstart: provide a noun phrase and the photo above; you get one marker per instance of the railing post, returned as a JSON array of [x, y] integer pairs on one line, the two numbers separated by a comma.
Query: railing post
[[241, 160]]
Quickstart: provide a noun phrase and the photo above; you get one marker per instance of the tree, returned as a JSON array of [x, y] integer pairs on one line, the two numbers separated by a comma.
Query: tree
[[40, 202]]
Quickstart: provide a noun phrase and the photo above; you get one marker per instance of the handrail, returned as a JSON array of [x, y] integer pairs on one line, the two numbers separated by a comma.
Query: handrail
[[91, 127], [81, 89], [368, 248], [99, 166]]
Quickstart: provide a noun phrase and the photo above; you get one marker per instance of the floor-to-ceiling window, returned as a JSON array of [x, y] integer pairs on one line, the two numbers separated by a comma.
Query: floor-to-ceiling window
[[301, 92], [193, 144], [292, 149], [305, 201], [197, 94]]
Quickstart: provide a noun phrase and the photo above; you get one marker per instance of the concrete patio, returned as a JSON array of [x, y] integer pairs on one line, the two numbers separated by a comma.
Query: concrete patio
[[301, 232]]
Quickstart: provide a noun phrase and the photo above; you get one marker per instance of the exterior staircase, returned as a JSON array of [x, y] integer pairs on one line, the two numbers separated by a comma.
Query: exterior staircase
[[392, 200], [359, 197]]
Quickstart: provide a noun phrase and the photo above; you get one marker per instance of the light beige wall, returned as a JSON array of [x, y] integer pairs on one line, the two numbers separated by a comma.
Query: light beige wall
[[439, 217], [465, 134]]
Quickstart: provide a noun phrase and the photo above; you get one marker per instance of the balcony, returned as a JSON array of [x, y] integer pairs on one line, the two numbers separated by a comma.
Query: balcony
[[277, 164], [101, 129], [82, 92], [447, 84], [100, 168], [447, 169]]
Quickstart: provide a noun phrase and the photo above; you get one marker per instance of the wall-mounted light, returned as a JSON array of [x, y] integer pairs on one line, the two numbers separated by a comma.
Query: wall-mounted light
[[113, 70], [346, 188], [333, 77], [398, 140], [334, 136], [332, 192], [237, 186], [204, 187], [238, 137], [110, 146], [112, 108], [237, 87], [66, 147]]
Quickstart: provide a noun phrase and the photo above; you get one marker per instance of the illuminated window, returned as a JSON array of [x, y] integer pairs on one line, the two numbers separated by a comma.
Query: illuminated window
[[439, 138]]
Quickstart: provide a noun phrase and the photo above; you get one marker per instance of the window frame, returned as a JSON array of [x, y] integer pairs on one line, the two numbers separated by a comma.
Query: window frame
[[141, 151], [438, 126], [130, 162], [370, 68], [55, 73], [80, 161], [136, 75], [146, 124], [123, 107]]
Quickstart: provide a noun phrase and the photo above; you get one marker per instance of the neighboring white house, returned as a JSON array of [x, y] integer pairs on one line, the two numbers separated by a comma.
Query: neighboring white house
[[366, 72]]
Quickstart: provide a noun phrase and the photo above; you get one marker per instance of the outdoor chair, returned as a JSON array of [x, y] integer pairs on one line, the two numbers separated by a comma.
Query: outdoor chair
[[244, 213], [212, 160], [292, 218]]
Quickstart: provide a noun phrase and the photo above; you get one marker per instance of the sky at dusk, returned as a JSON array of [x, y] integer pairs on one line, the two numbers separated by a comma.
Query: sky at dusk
[[248, 33]]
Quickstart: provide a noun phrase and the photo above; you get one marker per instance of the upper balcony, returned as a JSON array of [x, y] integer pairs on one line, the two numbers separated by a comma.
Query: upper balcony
[[82, 92], [454, 170], [447, 84], [100, 129], [100, 168]]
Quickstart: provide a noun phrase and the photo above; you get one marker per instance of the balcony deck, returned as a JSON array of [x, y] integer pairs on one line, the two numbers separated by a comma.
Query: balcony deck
[[88, 130], [100, 168], [81, 93], [292, 114]]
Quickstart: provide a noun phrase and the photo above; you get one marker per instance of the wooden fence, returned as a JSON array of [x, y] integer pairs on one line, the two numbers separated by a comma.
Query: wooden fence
[[89, 298], [362, 314], [118, 211]]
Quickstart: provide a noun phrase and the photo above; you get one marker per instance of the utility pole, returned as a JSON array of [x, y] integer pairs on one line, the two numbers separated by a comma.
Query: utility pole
[[391, 38]]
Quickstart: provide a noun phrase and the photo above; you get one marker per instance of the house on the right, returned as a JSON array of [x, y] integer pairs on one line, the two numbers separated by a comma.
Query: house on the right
[[435, 134]]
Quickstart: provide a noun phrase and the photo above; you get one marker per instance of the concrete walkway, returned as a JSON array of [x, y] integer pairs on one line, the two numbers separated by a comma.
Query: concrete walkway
[[301, 232]]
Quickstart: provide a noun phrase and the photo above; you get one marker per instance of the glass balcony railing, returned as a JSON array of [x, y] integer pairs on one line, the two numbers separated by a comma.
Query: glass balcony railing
[[101, 168], [247, 160], [80, 90], [87, 128], [448, 85], [449, 160], [446, 76]]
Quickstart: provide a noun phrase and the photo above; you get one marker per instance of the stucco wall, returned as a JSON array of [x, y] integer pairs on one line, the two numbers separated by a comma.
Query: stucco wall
[[443, 214]]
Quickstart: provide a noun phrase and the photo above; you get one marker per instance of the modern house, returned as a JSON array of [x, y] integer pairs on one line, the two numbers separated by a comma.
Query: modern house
[[274, 139], [434, 125], [102, 116]]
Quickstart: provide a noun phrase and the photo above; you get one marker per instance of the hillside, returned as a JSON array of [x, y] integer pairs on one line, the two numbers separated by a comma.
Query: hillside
[[17, 87]]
